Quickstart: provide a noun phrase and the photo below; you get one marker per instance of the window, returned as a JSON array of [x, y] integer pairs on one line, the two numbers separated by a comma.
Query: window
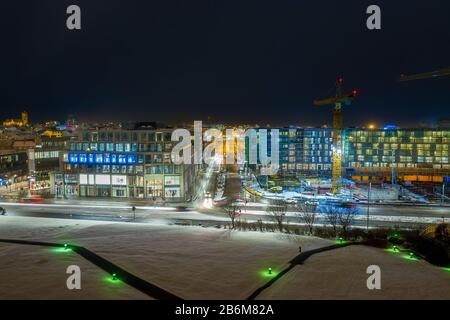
[[119, 147], [154, 170], [168, 169], [99, 158], [122, 159], [110, 147], [172, 180], [82, 158]]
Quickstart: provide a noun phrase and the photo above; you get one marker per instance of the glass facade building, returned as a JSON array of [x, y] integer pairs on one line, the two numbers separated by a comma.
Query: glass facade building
[[124, 163], [415, 154]]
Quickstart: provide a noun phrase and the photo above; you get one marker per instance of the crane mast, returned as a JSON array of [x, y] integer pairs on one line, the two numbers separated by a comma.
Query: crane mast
[[336, 159]]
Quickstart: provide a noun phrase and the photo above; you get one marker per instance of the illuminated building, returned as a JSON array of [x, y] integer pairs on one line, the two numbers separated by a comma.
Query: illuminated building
[[125, 164], [17, 122], [416, 154], [303, 151], [13, 165]]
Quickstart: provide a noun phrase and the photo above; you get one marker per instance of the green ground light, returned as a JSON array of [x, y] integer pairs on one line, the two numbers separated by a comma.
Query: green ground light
[[393, 249], [341, 241], [64, 249], [446, 269], [268, 273], [113, 279], [410, 256]]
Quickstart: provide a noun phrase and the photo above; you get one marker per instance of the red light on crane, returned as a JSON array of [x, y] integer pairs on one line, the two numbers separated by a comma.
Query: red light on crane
[[354, 92]]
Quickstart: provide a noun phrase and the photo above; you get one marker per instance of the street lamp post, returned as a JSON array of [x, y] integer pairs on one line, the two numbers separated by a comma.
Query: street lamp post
[[392, 165], [368, 205], [443, 193]]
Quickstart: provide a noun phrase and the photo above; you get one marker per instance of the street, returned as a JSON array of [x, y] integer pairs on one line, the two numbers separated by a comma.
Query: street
[[380, 215]]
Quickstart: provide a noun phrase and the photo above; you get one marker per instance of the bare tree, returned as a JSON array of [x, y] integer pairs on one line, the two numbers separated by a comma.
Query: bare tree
[[232, 210], [346, 218], [307, 213], [340, 216], [277, 209], [331, 217]]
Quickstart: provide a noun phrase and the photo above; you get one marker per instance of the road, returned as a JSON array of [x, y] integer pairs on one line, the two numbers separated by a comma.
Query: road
[[380, 215]]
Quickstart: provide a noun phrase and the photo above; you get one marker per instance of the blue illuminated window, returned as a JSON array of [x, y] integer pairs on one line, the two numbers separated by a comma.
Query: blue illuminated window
[[106, 158], [113, 158], [99, 158], [131, 159], [73, 158], [82, 158], [91, 158], [122, 159]]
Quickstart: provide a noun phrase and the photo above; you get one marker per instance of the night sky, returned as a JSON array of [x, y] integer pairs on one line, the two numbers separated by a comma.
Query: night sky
[[232, 60]]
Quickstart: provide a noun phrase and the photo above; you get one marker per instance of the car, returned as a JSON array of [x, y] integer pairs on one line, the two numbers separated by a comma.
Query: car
[[33, 198], [180, 208]]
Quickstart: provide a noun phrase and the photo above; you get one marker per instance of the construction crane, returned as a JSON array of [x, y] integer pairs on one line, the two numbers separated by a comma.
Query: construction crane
[[426, 75], [338, 100]]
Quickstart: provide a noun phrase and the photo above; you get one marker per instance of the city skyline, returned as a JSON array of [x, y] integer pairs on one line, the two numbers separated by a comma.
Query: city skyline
[[182, 63]]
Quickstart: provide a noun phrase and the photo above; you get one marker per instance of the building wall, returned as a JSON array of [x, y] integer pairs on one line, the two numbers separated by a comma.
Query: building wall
[[13, 163], [416, 154], [303, 151], [125, 163]]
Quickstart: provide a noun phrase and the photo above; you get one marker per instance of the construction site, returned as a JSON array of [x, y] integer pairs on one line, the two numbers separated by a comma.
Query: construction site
[[349, 165]]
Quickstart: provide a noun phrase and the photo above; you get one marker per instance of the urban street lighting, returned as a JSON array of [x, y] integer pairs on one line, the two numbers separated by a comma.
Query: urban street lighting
[[368, 205], [392, 165]]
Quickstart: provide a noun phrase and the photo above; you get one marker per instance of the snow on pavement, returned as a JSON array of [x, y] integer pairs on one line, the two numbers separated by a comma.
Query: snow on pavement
[[34, 272], [191, 262], [341, 274]]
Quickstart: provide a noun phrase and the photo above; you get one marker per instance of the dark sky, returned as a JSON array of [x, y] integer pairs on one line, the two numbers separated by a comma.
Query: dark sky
[[233, 60]]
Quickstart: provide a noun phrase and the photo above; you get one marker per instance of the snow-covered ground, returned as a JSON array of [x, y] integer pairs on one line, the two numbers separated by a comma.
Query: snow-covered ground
[[33, 272], [198, 263], [191, 262], [341, 274]]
